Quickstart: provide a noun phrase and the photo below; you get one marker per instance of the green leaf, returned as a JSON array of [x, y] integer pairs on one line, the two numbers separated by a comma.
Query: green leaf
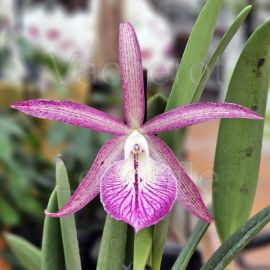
[[191, 245], [159, 241], [68, 226], [6, 148], [156, 105], [142, 247], [27, 254], [10, 127], [239, 144], [113, 245], [8, 214], [57, 67], [192, 63], [234, 244], [52, 247], [224, 42], [182, 92]]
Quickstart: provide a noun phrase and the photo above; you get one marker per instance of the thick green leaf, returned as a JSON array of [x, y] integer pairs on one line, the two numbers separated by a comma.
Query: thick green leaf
[[192, 64], [6, 148], [10, 127], [156, 105], [193, 60], [68, 226], [239, 141], [27, 254], [142, 247], [191, 245], [234, 244], [184, 87], [8, 214], [113, 245], [224, 42], [52, 247], [159, 241]]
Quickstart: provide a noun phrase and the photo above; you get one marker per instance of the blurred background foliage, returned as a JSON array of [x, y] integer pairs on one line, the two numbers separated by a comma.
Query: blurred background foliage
[[68, 50]]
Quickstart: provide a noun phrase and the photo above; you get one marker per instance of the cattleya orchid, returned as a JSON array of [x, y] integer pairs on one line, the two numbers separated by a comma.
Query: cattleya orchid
[[136, 173]]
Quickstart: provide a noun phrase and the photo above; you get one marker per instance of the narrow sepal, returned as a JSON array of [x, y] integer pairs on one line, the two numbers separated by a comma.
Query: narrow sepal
[[72, 113], [132, 75], [187, 192], [194, 114]]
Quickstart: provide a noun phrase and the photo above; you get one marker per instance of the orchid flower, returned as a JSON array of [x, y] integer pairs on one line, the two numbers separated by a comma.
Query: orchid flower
[[136, 173]]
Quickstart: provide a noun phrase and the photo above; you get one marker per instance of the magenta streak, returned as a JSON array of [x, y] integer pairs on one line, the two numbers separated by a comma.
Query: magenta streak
[[116, 187], [154, 199], [111, 194], [150, 204], [163, 198], [129, 213], [142, 205], [125, 197], [136, 187], [115, 196], [159, 191]]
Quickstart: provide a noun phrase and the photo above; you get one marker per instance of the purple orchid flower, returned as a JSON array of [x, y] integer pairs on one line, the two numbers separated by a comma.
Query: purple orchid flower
[[136, 173]]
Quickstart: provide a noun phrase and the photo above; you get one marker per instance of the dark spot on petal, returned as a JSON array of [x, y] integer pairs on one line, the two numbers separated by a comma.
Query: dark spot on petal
[[102, 162], [261, 62]]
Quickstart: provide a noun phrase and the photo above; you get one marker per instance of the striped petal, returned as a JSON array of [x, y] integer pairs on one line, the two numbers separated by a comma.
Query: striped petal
[[132, 76], [72, 113], [196, 113], [138, 191], [187, 193], [89, 187]]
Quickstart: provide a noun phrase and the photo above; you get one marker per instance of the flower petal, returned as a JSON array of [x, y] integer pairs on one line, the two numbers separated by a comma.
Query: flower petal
[[196, 113], [72, 113], [89, 187], [140, 191], [187, 193], [132, 75]]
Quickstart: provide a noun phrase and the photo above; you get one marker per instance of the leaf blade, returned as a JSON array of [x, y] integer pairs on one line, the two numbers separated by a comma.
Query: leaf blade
[[142, 247], [194, 55], [239, 141], [224, 42], [52, 247], [27, 254], [235, 243], [67, 224], [191, 245], [159, 241], [112, 251]]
